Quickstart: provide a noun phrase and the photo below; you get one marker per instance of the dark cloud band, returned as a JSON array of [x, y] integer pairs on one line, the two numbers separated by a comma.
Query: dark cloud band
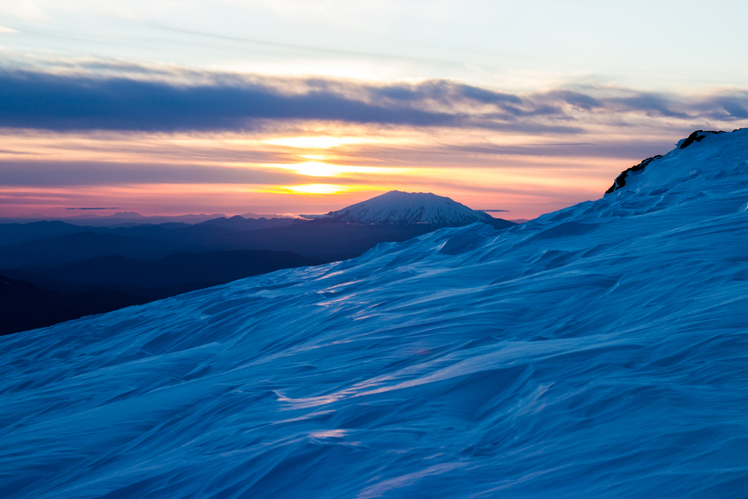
[[92, 173], [220, 102], [53, 102]]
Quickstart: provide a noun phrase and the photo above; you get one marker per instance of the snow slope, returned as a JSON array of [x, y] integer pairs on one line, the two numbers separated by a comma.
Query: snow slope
[[396, 207], [599, 351]]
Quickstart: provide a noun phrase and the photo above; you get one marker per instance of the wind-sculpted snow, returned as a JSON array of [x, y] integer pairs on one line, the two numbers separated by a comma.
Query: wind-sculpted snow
[[599, 351]]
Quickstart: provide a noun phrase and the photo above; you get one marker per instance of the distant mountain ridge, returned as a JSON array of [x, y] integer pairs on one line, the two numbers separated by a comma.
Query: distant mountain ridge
[[136, 264], [408, 208], [119, 219], [238, 222]]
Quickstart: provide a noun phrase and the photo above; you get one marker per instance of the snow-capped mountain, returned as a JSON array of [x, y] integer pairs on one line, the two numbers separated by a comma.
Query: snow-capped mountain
[[405, 208], [598, 351]]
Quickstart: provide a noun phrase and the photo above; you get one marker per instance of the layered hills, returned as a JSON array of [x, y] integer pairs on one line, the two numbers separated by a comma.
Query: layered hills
[[597, 351], [139, 263]]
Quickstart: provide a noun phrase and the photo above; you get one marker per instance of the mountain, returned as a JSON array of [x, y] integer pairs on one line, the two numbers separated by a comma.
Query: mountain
[[239, 223], [146, 262], [81, 246], [328, 239], [42, 296], [15, 233], [407, 208], [25, 306], [128, 219], [205, 268], [597, 351], [331, 238]]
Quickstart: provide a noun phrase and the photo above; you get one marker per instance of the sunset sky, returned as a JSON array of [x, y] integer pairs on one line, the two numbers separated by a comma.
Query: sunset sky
[[286, 106]]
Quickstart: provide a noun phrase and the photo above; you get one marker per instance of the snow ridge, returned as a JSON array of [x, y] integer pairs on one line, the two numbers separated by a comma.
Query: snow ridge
[[598, 351], [405, 208]]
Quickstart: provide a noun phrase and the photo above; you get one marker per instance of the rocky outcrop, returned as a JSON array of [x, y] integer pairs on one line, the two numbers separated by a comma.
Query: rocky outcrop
[[697, 136], [620, 181]]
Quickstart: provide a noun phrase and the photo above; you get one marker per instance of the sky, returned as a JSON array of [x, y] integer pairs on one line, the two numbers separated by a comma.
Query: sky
[[285, 106]]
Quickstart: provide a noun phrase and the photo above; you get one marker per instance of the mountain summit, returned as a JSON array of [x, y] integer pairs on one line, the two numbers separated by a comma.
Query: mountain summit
[[407, 208]]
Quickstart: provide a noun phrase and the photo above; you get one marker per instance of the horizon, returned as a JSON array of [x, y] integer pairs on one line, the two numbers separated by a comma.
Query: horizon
[[100, 213], [220, 107]]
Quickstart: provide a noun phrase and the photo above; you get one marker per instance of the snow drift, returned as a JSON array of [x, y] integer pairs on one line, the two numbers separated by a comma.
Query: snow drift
[[599, 351]]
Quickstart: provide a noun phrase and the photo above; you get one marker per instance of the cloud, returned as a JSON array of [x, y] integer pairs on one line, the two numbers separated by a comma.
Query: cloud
[[577, 99], [94, 208], [626, 149], [93, 173], [651, 104], [144, 100], [443, 92], [92, 97], [59, 102], [726, 106], [487, 96]]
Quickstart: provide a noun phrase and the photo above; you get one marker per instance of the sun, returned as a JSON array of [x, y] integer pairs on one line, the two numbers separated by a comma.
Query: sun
[[320, 169], [315, 189], [320, 142]]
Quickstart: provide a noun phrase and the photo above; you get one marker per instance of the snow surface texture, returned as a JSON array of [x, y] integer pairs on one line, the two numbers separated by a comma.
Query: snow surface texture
[[402, 208], [599, 351]]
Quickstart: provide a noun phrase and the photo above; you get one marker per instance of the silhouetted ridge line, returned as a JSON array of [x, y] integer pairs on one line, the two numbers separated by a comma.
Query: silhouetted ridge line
[[620, 181]]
